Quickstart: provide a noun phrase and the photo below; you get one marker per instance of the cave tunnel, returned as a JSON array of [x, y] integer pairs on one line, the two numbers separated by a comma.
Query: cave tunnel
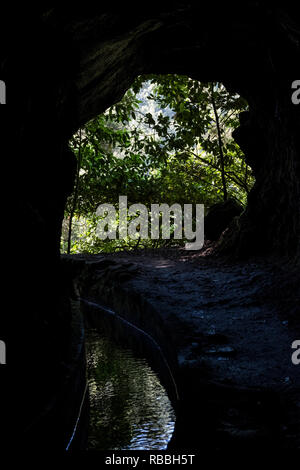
[[64, 66]]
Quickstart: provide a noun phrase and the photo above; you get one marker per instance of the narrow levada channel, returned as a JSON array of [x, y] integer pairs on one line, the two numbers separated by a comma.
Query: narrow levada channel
[[129, 408]]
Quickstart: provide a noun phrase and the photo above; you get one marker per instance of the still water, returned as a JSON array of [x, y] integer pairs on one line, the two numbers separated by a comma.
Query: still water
[[129, 408]]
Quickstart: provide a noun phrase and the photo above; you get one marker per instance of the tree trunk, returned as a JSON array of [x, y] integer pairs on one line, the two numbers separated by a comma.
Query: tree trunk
[[75, 196], [225, 194]]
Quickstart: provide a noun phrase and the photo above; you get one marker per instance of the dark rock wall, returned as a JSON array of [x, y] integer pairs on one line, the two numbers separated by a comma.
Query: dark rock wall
[[269, 136], [62, 66]]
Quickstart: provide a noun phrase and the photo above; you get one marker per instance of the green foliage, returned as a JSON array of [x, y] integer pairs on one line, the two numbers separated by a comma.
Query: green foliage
[[169, 156]]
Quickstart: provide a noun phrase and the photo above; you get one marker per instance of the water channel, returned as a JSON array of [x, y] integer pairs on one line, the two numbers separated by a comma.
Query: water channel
[[129, 408]]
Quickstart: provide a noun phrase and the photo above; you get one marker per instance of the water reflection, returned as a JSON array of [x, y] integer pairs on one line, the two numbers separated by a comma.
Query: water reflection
[[129, 407]]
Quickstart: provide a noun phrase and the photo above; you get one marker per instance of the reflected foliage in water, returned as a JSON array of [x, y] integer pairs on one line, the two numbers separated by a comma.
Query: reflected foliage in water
[[129, 407]]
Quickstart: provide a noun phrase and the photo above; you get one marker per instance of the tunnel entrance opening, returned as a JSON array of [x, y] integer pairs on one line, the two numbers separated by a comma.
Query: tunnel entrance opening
[[169, 142]]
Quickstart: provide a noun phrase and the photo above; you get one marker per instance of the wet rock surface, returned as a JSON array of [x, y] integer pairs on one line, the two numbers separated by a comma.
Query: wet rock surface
[[230, 326]]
